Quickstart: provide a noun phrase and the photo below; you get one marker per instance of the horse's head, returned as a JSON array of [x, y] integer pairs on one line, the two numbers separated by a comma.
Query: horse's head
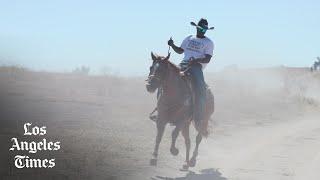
[[157, 73]]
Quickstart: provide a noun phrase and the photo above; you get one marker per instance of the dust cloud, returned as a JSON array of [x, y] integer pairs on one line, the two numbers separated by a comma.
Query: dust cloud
[[264, 126]]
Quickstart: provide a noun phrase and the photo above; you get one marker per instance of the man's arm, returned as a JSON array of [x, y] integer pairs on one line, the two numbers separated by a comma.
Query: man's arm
[[177, 49], [206, 59], [207, 54]]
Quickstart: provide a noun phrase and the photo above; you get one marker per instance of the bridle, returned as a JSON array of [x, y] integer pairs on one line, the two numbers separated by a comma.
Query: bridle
[[151, 77], [160, 80]]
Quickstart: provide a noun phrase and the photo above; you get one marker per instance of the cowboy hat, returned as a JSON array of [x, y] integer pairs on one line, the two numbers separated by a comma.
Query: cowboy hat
[[202, 24]]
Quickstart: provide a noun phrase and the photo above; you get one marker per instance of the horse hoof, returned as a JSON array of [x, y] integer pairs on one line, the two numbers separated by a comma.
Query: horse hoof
[[153, 162], [174, 151], [185, 167], [192, 162]]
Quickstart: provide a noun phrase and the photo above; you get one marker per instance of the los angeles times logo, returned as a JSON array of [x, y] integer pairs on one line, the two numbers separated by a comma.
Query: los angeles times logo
[[32, 147]]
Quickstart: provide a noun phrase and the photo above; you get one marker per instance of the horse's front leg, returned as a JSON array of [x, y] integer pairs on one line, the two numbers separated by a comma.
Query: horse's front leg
[[185, 134], [193, 160], [160, 129], [175, 151]]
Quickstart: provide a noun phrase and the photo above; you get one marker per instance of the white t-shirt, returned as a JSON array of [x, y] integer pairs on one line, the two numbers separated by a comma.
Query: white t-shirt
[[197, 48]]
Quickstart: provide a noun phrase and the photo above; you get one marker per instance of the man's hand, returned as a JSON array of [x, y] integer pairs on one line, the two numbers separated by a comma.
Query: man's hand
[[170, 42], [178, 50], [192, 60], [206, 59]]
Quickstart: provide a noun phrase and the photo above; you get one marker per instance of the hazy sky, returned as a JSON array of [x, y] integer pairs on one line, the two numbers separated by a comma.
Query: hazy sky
[[60, 35]]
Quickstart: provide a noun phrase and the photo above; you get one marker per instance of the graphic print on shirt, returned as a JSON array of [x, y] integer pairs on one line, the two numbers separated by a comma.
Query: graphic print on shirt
[[195, 46]]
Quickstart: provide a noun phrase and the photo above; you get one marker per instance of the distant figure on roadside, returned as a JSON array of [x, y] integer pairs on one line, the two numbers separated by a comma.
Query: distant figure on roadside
[[316, 65]]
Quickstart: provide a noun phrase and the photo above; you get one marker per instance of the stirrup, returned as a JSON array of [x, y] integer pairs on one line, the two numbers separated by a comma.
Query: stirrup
[[153, 117]]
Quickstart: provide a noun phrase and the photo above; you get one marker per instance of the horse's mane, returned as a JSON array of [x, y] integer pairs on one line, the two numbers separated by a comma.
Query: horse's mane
[[175, 67], [171, 64]]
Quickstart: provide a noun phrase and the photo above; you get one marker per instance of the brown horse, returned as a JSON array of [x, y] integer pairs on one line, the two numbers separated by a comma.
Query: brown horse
[[174, 106]]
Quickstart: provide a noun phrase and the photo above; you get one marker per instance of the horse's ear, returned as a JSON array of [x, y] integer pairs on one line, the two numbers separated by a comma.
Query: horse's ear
[[154, 57]]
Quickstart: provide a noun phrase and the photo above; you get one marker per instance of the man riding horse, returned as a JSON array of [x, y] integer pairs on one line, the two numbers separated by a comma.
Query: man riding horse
[[173, 105], [198, 51]]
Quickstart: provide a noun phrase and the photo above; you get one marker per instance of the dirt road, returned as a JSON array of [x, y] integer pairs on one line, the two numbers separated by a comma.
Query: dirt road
[[258, 131], [284, 151]]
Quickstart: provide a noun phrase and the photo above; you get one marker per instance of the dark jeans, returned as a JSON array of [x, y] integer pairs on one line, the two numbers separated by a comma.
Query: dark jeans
[[199, 88]]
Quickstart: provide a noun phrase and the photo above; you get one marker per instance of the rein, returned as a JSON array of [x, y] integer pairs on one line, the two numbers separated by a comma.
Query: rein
[[164, 82], [154, 77]]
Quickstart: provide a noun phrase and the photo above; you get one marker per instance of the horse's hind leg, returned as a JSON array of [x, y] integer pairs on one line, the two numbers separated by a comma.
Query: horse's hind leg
[[185, 134], [193, 160], [160, 130], [174, 151]]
